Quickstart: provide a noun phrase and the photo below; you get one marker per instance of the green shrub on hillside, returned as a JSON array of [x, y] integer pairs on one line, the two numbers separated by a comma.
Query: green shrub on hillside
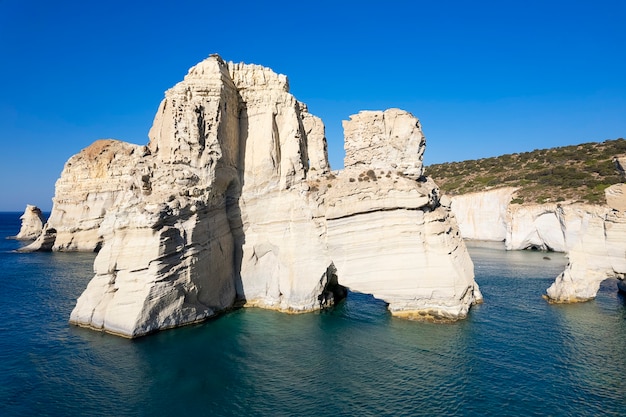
[[575, 173]]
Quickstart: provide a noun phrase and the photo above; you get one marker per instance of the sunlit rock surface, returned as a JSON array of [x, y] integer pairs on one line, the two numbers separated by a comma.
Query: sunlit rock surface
[[233, 202], [32, 223], [555, 227], [99, 178], [390, 139], [483, 215], [600, 253], [490, 215], [391, 238]]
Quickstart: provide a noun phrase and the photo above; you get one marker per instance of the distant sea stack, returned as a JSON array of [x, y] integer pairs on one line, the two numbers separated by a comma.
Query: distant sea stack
[[32, 223], [233, 202]]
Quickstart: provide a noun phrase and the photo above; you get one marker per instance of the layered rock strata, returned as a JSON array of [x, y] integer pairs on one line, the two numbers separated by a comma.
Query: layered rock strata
[[598, 255], [391, 237], [32, 223], [100, 178], [232, 201], [390, 139], [591, 235], [490, 215], [552, 226]]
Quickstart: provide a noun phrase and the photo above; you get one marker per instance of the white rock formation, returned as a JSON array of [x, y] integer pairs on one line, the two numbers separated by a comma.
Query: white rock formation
[[168, 256], [317, 148], [233, 200], [550, 226], [389, 140], [592, 235], [391, 238], [600, 253], [284, 263], [616, 197], [489, 215], [99, 178], [483, 215], [32, 223]]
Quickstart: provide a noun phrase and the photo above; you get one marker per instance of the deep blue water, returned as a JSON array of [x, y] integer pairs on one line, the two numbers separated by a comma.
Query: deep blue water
[[515, 355]]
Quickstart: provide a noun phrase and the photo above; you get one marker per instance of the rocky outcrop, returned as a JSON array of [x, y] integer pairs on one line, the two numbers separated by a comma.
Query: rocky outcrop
[[100, 178], [620, 165], [591, 235], [390, 237], [552, 226], [168, 256], [616, 197], [388, 233], [233, 201], [483, 216], [491, 216], [386, 140], [598, 255], [284, 263], [32, 223]]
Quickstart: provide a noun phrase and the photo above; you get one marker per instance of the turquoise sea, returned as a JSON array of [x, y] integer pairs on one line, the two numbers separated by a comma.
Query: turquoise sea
[[515, 355]]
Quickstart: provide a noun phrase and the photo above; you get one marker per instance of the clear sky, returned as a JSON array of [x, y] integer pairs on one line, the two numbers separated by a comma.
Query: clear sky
[[484, 77]]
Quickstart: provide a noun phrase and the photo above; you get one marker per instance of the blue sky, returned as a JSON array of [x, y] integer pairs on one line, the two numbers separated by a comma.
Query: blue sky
[[484, 77]]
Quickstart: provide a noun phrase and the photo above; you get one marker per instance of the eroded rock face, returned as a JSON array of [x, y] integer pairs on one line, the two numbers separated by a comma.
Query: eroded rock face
[[32, 223], [591, 235], [388, 140], [598, 255], [391, 237], [489, 215], [551, 226], [100, 178], [483, 215], [233, 200], [168, 257], [616, 197]]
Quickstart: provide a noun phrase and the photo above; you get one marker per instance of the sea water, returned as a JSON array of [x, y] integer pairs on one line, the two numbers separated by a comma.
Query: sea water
[[515, 355]]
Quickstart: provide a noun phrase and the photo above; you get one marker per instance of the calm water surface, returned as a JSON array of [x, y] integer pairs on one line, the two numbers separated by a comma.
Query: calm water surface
[[515, 355]]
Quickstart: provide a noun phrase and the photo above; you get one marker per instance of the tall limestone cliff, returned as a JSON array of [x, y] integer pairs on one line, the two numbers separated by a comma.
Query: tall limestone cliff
[[233, 201]]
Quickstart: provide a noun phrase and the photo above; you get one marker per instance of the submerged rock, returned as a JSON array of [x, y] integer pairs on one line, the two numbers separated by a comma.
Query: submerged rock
[[233, 201]]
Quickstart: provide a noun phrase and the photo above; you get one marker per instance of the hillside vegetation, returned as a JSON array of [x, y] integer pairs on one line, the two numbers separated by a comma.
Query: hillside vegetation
[[568, 173]]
